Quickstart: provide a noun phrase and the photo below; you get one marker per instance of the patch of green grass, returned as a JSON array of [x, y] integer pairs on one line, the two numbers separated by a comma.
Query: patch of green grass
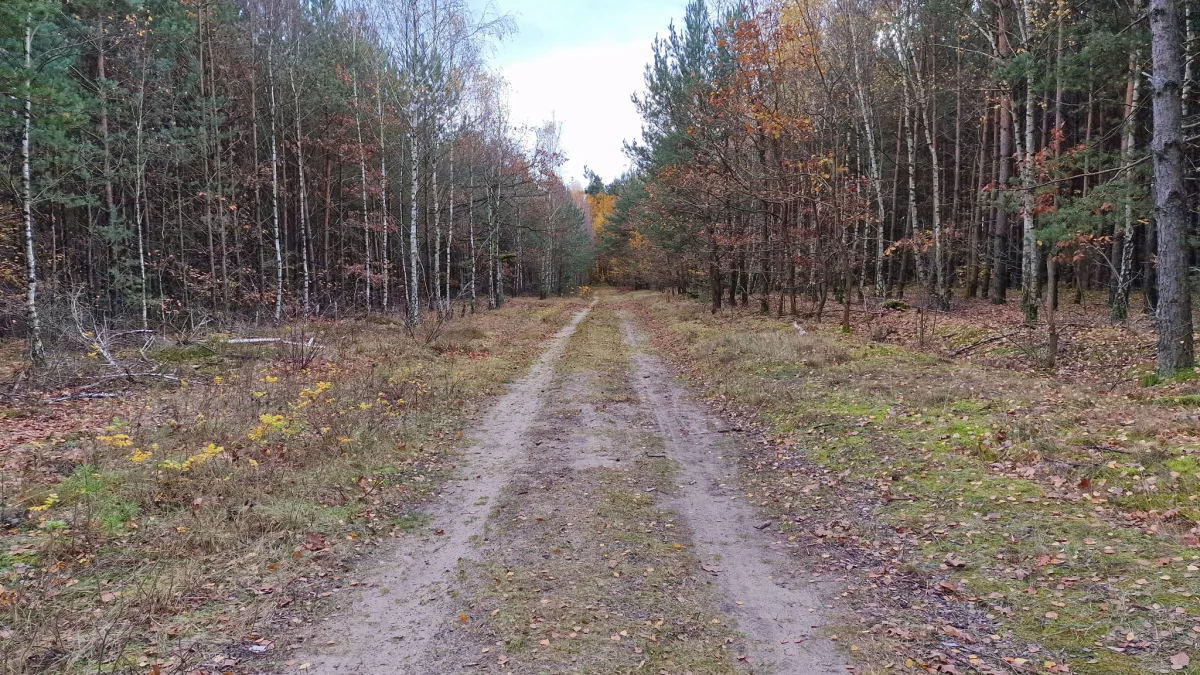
[[1184, 400], [184, 354], [100, 497]]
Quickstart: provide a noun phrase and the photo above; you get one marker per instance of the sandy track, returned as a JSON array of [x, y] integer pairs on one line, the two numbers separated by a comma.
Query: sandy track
[[547, 442], [776, 611], [387, 628]]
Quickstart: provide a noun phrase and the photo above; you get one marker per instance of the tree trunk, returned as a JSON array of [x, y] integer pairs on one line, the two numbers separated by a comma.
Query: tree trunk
[[910, 133], [714, 269], [385, 216], [362, 173], [413, 298], [413, 316], [446, 301], [37, 353], [302, 184], [435, 300], [972, 285], [1175, 348], [999, 280], [1120, 306], [1030, 266], [876, 178], [895, 235], [471, 232], [275, 183]]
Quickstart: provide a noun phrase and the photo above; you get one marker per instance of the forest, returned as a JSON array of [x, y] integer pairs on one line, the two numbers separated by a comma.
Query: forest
[[794, 152], [179, 164], [877, 358]]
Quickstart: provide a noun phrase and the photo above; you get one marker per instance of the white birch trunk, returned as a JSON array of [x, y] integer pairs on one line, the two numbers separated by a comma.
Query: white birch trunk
[[275, 183], [303, 186], [923, 103], [876, 181], [436, 273], [474, 257], [1030, 259], [1120, 308], [139, 178], [414, 293], [37, 352], [362, 173], [446, 302], [384, 218]]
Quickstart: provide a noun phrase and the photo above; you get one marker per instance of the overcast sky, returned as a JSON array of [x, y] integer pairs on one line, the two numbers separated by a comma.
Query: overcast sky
[[579, 61]]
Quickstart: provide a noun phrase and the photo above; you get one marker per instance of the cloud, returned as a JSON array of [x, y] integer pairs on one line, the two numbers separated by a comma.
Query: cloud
[[579, 61], [587, 89]]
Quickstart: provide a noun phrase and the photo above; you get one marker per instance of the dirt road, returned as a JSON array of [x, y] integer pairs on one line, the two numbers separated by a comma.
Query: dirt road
[[596, 529]]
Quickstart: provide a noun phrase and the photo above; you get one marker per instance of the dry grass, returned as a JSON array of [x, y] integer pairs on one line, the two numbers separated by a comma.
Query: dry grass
[[979, 519], [200, 522]]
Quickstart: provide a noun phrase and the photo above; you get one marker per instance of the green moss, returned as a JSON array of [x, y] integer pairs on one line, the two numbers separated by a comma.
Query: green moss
[[1187, 400], [184, 354], [1186, 465]]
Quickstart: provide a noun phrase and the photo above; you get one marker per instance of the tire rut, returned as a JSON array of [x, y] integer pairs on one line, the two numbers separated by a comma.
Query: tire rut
[[387, 627], [780, 619]]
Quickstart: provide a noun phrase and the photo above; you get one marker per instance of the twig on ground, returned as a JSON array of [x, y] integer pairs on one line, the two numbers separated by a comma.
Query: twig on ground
[[81, 395], [979, 343], [311, 343]]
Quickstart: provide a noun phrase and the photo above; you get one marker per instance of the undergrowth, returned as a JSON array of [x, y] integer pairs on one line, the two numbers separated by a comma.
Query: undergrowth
[[196, 524]]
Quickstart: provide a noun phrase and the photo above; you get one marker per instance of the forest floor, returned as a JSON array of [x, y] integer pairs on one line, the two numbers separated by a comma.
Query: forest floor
[[985, 513], [664, 491]]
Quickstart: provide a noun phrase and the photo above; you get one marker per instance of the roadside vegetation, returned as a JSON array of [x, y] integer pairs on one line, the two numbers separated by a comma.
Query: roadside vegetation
[[192, 523], [977, 519]]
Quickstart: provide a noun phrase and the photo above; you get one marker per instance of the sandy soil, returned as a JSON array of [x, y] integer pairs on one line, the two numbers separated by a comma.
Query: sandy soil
[[776, 609]]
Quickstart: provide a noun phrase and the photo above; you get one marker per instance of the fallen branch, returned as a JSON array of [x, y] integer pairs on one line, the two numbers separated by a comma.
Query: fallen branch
[[980, 343], [72, 397], [266, 340]]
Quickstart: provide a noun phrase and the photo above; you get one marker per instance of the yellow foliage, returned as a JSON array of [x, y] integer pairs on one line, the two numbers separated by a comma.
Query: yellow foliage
[[195, 460], [269, 424], [602, 207], [637, 240], [116, 440], [50, 501], [308, 395]]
